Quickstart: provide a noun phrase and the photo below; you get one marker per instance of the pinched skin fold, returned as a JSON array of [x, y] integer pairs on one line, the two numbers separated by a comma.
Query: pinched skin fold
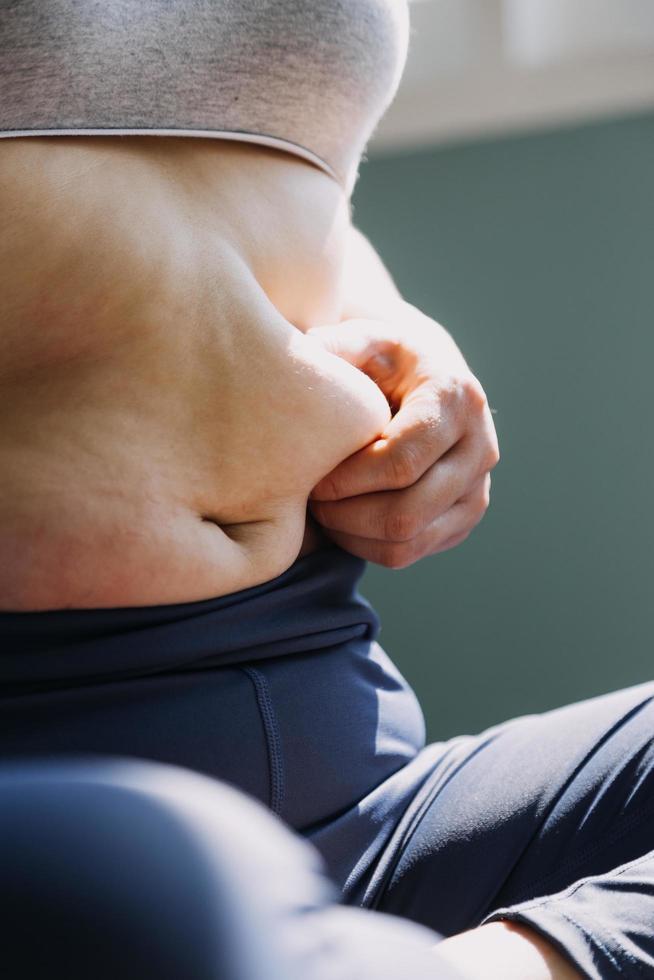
[[163, 416]]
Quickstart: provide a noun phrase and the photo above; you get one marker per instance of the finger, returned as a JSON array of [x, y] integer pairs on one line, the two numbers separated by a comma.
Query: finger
[[400, 515], [419, 434], [445, 532], [467, 513]]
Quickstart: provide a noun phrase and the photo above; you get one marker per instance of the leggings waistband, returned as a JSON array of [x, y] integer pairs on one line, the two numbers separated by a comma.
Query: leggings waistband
[[314, 604]]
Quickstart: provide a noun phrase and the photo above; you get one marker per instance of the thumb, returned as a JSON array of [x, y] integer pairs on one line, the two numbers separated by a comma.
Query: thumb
[[350, 339], [362, 343]]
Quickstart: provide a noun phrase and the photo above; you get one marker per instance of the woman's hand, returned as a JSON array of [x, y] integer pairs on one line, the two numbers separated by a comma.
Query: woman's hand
[[424, 484]]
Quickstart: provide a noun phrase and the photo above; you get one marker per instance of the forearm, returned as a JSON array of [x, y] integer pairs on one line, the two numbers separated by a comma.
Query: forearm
[[369, 292], [368, 289]]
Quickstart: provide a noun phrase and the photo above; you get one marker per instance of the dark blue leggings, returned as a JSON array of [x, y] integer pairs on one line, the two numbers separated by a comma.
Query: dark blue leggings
[[124, 869], [120, 870], [282, 691], [546, 819]]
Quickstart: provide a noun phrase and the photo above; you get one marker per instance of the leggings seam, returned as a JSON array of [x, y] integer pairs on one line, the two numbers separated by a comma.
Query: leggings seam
[[273, 741]]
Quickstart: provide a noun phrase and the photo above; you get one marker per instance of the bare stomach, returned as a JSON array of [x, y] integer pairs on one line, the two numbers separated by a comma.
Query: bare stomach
[[163, 416]]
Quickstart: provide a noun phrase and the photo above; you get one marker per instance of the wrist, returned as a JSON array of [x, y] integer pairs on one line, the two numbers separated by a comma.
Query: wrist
[[406, 330]]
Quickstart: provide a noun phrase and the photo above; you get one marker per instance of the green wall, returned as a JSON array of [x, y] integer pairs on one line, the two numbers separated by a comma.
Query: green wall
[[537, 253]]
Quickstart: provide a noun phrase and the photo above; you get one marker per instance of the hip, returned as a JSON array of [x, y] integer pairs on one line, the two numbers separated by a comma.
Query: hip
[[280, 688]]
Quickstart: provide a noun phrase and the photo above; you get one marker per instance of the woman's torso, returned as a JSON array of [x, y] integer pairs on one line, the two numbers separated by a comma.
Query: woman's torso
[[163, 417]]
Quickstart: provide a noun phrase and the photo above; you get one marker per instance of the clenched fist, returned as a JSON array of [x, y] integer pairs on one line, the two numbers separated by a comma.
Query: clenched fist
[[424, 484]]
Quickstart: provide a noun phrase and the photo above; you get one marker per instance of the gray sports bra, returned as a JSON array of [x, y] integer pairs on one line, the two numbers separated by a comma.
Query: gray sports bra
[[312, 77]]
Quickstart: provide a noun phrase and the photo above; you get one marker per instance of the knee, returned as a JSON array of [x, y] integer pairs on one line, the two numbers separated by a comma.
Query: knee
[[118, 868]]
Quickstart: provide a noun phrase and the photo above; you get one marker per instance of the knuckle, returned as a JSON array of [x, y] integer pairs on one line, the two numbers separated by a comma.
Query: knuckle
[[491, 456], [481, 501], [398, 555], [473, 393], [404, 464], [485, 498], [400, 525]]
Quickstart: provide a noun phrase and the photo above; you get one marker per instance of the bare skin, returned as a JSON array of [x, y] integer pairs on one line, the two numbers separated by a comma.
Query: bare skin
[[163, 417], [506, 951]]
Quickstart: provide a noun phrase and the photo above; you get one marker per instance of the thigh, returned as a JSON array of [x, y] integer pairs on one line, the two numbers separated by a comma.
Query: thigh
[[117, 868], [524, 809]]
